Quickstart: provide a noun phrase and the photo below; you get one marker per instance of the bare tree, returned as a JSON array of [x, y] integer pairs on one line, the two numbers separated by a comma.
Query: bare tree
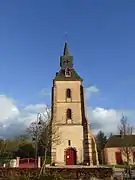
[[126, 146], [8, 148], [45, 131]]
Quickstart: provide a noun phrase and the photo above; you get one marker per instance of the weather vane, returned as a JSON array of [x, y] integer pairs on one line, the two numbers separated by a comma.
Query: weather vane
[[66, 36]]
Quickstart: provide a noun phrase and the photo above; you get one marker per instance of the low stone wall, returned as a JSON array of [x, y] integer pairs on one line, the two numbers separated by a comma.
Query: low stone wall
[[65, 173]]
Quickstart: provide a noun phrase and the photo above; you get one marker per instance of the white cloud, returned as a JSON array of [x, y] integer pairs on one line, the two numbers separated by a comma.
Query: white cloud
[[91, 90], [35, 108], [7, 109], [13, 121], [107, 120]]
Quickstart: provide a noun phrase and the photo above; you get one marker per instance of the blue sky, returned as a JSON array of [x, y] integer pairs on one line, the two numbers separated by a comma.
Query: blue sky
[[101, 37]]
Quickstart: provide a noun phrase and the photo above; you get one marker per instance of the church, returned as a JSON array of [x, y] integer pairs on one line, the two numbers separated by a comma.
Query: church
[[76, 143]]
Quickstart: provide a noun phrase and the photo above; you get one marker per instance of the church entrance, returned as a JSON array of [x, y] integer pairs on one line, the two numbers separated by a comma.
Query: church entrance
[[70, 156]]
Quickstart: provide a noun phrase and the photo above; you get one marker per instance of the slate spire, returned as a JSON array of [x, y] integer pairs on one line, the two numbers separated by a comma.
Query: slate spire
[[66, 51], [66, 61]]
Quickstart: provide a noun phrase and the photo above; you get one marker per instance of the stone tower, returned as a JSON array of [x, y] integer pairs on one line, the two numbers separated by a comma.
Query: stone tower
[[76, 143]]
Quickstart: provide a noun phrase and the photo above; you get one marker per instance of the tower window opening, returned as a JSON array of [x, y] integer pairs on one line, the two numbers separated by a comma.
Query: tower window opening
[[68, 93], [69, 114], [67, 72], [69, 143]]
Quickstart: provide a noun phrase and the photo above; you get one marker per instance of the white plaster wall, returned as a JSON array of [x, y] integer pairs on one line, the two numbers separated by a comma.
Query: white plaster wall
[[72, 132], [61, 87], [75, 135], [61, 110]]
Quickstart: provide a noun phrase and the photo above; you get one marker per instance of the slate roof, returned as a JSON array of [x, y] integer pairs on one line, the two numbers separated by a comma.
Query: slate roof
[[66, 51], [121, 141], [60, 76]]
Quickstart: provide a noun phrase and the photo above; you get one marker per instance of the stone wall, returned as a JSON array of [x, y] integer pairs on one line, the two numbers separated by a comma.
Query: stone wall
[[66, 173]]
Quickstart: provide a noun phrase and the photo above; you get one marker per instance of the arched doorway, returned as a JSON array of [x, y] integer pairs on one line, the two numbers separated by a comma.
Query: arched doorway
[[70, 156]]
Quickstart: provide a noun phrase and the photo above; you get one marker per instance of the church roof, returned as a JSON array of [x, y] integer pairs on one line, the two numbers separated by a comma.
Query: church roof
[[121, 141], [66, 62], [60, 76]]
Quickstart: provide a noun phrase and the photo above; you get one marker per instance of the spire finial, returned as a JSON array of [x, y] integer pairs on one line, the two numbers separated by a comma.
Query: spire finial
[[66, 36]]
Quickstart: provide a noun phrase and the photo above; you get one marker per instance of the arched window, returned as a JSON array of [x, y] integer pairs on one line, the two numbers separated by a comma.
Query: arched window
[[69, 114], [68, 93]]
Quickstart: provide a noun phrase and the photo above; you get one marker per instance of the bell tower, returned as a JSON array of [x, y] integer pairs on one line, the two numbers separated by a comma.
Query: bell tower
[[69, 115], [66, 61]]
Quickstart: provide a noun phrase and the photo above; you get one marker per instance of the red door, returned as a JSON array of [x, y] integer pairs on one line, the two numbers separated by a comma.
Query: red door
[[118, 158], [70, 157]]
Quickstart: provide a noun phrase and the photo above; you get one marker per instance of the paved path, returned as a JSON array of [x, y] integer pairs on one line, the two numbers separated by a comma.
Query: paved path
[[120, 173], [74, 166]]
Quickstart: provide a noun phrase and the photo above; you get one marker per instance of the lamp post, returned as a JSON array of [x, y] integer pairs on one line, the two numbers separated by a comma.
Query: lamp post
[[36, 138]]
